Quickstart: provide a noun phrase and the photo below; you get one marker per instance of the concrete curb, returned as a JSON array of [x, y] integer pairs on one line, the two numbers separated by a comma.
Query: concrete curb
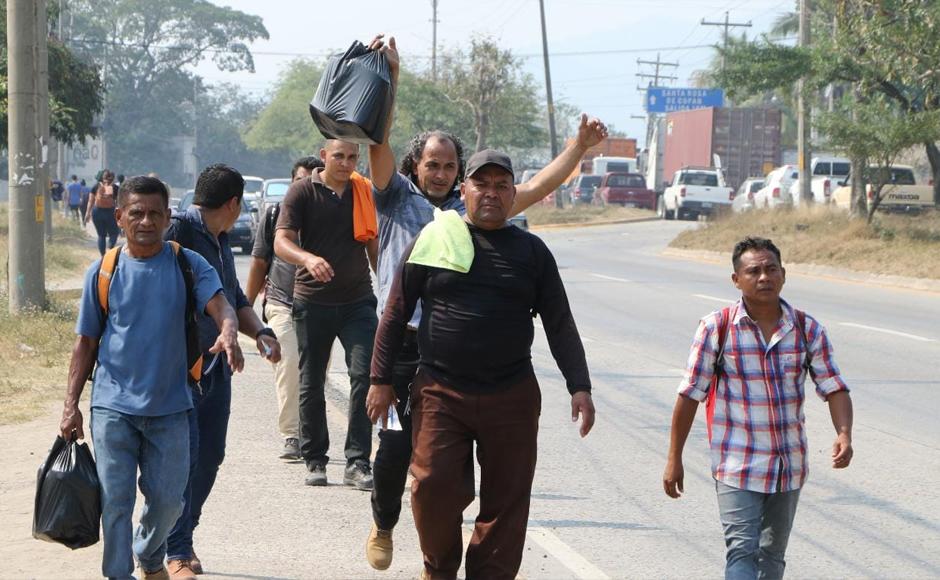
[[818, 271], [598, 223]]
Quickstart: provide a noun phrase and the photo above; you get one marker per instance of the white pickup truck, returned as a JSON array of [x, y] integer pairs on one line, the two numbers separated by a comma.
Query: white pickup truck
[[826, 173], [694, 192]]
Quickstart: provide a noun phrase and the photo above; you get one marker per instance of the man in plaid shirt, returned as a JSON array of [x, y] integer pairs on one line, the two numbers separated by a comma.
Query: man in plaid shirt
[[749, 361]]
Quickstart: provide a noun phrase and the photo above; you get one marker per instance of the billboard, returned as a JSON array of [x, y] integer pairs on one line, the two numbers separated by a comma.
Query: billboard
[[667, 100]]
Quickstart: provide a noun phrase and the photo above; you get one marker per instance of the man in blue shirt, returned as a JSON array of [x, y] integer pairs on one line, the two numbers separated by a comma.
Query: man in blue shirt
[[203, 228], [430, 176], [141, 396], [74, 198]]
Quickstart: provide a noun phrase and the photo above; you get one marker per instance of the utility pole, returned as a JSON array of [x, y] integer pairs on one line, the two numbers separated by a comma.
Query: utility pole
[[434, 40], [26, 281], [803, 122], [655, 82], [727, 24], [548, 94], [42, 110]]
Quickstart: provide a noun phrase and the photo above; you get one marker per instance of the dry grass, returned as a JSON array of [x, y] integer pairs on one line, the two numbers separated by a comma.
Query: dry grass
[[35, 347], [540, 214], [892, 244]]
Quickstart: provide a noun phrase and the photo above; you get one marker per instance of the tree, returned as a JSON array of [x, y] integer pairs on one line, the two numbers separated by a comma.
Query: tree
[[75, 90], [491, 84], [285, 122], [224, 112], [144, 48]]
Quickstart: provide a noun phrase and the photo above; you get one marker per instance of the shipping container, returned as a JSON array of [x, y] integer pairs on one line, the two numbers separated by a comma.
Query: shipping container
[[746, 141]]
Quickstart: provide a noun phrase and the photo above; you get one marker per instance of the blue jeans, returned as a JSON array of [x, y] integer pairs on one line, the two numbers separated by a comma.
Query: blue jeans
[[757, 527], [208, 427], [107, 227], [159, 446]]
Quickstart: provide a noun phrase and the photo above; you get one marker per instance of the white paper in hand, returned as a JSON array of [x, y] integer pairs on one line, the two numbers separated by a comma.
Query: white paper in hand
[[392, 421]]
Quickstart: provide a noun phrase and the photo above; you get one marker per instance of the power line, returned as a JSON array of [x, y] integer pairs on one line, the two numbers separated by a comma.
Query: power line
[[327, 54], [726, 25]]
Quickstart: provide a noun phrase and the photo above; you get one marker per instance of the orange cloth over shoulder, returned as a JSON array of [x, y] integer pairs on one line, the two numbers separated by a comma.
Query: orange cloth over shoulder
[[365, 224]]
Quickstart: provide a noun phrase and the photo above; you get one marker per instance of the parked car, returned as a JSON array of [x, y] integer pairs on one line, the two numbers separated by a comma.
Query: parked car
[[242, 234], [519, 220], [273, 191], [626, 189], [776, 191], [186, 200], [583, 187], [901, 194], [744, 197], [695, 192]]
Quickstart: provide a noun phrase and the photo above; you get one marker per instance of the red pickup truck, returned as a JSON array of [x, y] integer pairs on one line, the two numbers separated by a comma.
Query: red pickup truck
[[627, 189]]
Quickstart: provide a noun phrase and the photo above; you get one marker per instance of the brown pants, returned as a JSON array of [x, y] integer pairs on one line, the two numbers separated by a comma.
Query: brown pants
[[446, 423]]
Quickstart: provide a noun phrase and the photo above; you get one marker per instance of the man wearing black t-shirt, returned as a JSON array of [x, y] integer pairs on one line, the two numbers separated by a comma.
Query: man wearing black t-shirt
[[475, 380], [333, 299]]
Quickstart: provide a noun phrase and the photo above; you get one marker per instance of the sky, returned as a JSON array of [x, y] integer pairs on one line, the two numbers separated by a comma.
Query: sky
[[594, 44]]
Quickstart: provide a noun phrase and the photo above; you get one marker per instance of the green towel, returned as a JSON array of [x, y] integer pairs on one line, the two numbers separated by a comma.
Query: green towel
[[444, 243]]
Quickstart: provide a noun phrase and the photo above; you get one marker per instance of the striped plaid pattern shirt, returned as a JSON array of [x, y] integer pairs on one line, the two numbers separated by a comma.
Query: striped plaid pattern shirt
[[758, 439]]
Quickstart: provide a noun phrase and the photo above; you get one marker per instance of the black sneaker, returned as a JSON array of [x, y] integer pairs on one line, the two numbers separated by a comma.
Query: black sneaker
[[291, 448], [358, 475], [317, 475]]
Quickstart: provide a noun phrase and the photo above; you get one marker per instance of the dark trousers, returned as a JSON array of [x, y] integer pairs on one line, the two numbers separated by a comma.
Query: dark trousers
[[208, 427], [504, 426], [317, 326], [390, 470], [107, 227]]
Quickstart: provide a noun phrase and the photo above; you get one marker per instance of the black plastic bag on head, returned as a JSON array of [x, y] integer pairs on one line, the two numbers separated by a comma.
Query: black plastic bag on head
[[354, 98], [68, 499]]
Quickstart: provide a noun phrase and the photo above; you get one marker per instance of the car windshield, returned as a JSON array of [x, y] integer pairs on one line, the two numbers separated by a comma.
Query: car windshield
[[842, 169], [699, 178], [756, 185], [276, 189], [590, 181], [626, 181], [253, 185]]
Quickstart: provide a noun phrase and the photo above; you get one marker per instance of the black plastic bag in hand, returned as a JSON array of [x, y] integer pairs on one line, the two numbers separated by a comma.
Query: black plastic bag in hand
[[354, 98], [68, 500]]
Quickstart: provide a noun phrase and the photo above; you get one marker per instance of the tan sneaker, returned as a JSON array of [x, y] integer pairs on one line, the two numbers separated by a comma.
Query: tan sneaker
[[195, 563], [160, 574], [180, 570], [379, 548]]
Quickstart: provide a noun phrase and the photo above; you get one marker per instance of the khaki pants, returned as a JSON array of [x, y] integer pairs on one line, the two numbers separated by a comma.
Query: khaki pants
[[287, 371]]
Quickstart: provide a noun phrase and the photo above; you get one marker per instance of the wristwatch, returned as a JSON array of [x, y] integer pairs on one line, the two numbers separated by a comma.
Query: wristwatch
[[266, 331]]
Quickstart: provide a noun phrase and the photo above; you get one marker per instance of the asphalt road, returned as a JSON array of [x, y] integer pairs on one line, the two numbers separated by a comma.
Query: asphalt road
[[598, 509]]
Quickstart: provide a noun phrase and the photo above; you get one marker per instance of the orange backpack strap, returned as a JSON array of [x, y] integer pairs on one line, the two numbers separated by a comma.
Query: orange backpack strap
[[105, 274]]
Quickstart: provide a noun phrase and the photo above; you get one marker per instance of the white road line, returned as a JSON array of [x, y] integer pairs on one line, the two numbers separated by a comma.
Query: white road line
[[613, 278], [573, 561], [888, 331], [583, 338], [713, 298]]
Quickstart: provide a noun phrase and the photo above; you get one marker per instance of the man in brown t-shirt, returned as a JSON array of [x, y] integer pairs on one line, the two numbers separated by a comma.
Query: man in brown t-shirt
[[332, 298]]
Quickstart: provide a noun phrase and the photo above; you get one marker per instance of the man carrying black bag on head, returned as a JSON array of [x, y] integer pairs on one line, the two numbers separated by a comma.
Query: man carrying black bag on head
[[132, 322]]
